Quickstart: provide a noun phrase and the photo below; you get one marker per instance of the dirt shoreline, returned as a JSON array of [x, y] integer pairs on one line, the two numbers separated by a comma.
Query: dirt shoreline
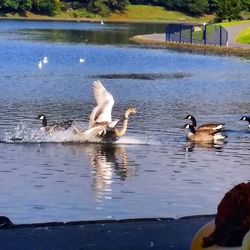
[[187, 47]]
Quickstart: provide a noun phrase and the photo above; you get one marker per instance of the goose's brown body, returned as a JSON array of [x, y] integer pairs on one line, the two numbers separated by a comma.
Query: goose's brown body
[[205, 136], [213, 126]]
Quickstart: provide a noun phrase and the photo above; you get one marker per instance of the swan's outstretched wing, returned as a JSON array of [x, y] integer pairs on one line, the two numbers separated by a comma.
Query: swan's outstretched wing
[[105, 101], [101, 94]]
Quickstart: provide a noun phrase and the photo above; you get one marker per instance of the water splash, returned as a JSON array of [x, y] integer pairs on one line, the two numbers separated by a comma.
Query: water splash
[[23, 133]]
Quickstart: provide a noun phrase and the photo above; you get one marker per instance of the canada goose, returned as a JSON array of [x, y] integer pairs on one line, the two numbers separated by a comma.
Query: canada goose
[[207, 126], [54, 126], [246, 118], [207, 136], [101, 126]]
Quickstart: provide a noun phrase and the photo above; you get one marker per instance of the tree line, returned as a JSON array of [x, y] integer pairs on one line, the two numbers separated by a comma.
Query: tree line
[[224, 9]]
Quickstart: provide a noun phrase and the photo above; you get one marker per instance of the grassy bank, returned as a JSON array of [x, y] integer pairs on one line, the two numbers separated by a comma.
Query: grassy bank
[[156, 13], [244, 37], [134, 13], [233, 23]]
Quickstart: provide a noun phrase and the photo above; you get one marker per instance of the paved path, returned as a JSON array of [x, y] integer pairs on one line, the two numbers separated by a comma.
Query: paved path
[[233, 33]]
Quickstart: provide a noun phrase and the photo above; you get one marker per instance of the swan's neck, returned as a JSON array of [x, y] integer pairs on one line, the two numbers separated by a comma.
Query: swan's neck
[[121, 131]]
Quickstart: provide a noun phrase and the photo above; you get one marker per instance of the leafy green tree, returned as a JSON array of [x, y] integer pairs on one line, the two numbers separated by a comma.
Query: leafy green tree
[[117, 5], [99, 7], [9, 4], [47, 7], [25, 5], [16, 5], [104, 7], [173, 4], [228, 9], [212, 6], [246, 5], [197, 7]]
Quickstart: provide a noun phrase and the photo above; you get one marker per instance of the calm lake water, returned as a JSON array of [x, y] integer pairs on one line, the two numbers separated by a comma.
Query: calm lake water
[[151, 171]]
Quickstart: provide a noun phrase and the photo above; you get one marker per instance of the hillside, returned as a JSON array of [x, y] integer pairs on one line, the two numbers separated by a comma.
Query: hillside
[[133, 13]]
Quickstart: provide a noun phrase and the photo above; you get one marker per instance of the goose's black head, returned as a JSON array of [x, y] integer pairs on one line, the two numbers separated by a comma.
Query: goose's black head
[[44, 120], [245, 118], [190, 117], [190, 127]]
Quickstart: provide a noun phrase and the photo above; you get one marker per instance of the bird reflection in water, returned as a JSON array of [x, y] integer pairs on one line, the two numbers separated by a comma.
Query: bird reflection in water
[[107, 161], [192, 145]]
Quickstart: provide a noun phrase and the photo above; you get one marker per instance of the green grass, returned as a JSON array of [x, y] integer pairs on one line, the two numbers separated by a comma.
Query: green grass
[[80, 13], [244, 37], [233, 23], [155, 13], [133, 13]]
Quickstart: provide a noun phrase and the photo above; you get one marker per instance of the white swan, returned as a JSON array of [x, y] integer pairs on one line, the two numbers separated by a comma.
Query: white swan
[[101, 114], [101, 126]]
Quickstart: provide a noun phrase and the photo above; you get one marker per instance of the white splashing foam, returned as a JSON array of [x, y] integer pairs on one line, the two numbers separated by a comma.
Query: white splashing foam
[[24, 134], [131, 140]]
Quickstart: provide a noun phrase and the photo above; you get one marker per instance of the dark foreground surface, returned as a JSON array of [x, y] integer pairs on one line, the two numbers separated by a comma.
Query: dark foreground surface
[[126, 234]]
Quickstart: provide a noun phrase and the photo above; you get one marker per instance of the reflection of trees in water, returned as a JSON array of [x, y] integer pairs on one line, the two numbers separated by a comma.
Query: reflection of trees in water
[[108, 34], [106, 161]]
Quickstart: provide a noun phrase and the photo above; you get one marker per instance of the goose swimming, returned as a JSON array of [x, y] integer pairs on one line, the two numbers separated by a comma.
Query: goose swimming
[[56, 126], [246, 118], [203, 136], [207, 126]]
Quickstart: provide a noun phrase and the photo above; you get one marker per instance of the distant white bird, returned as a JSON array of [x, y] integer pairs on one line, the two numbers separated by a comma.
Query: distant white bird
[[81, 60], [102, 22], [40, 65], [45, 60]]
